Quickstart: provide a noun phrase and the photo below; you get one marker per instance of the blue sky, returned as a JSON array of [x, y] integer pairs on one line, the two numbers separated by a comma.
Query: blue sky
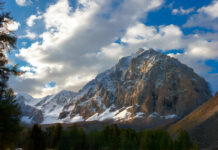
[[63, 44]]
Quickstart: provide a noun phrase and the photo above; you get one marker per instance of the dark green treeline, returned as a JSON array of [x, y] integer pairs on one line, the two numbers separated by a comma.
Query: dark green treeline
[[110, 138]]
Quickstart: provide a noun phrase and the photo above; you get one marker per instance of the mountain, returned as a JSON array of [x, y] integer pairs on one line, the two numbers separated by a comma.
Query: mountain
[[30, 114], [147, 87], [44, 110], [202, 124]]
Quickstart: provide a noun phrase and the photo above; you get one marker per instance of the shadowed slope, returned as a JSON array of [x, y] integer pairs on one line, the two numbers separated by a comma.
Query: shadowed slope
[[202, 124]]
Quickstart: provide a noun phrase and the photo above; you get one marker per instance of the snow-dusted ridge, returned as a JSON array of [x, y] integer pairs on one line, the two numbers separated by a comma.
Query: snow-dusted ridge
[[46, 109]]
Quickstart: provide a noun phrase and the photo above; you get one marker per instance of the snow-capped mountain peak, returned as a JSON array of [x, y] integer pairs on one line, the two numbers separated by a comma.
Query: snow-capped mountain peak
[[147, 86], [136, 87]]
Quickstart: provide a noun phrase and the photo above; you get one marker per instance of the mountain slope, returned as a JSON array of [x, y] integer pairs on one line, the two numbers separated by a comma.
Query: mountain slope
[[202, 124], [44, 110], [30, 114], [147, 86]]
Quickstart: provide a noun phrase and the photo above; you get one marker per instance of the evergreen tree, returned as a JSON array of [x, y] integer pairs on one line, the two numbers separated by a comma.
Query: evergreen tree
[[195, 146], [9, 111], [7, 43], [110, 138], [9, 121], [49, 133], [56, 136], [35, 139], [127, 140], [65, 142], [183, 141]]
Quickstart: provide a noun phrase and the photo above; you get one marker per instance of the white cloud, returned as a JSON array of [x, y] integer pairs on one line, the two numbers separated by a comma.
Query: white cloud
[[113, 51], [13, 26], [206, 17], [23, 2], [31, 20], [203, 49], [24, 43], [26, 68], [73, 40], [211, 10], [29, 35], [163, 37], [182, 11]]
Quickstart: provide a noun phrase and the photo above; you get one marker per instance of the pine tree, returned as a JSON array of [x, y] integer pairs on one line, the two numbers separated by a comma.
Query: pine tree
[[7, 43], [56, 136], [183, 141], [195, 146], [9, 110], [9, 121], [35, 140]]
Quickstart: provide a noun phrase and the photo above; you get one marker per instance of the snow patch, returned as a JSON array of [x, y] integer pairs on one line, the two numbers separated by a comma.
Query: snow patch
[[76, 118], [156, 115], [51, 119], [171, 116], [92, 118], [70, 108], [115, 115], [107, 114], [123, 115], [139, 115]]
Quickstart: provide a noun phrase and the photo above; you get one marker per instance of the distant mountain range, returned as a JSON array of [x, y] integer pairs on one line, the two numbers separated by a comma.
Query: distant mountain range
[[148, 88]]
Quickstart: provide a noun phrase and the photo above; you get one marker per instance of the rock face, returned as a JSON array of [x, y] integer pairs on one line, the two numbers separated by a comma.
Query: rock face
[[202, 124], [147, 86]]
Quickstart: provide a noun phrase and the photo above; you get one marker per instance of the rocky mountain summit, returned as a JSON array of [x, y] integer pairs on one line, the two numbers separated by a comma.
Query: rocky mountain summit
[[147, 86]]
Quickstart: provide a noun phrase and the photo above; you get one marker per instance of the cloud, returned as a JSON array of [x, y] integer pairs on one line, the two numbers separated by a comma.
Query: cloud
[[69, 49], [203, 49], [24, 43], [31, 20], [182, 11], [26, 68], [29, 35], [23, 2], [211, 10], [13, 26], [78, 43], [206, 17], [162, 37]]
